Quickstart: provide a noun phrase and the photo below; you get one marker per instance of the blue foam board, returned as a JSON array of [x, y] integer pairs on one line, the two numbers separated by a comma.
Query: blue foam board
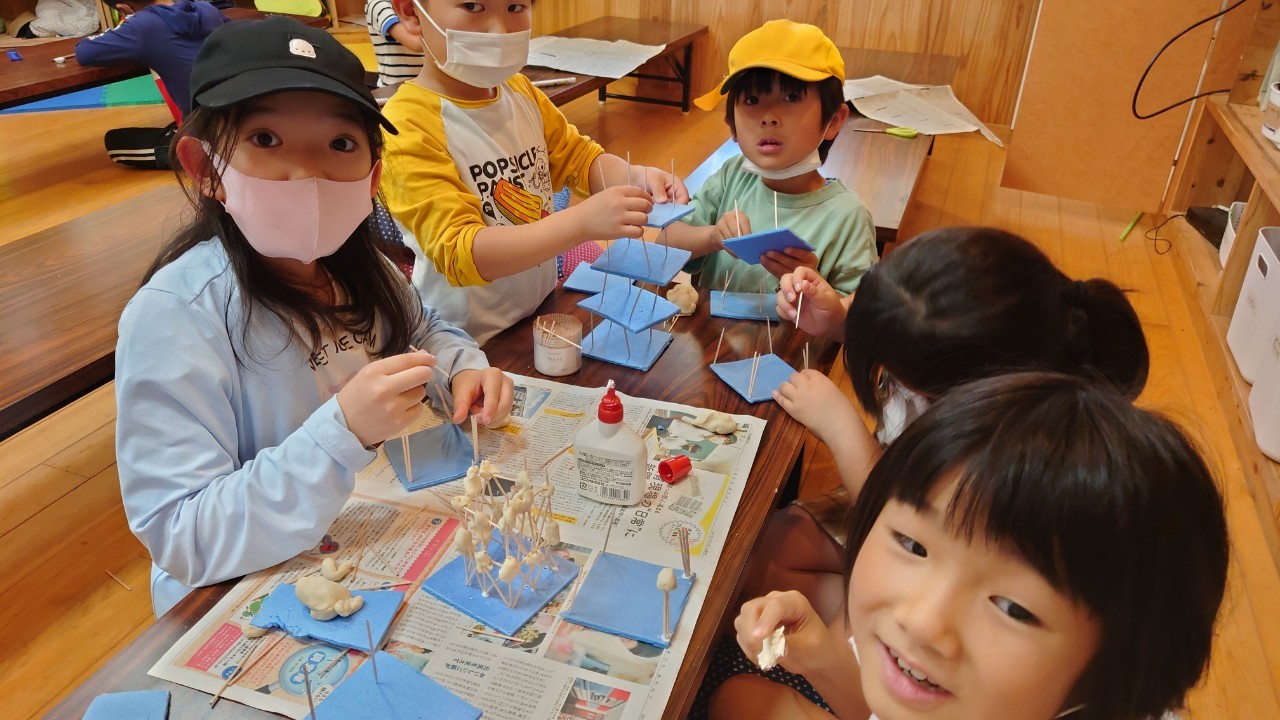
[[631, 307], [400, 692], [587, 279], [743, 305], [134, 705], [621, 596], [663, 214], [282, 609], [615, 344], [438, 455], [771, 373], [749, 248], [651, 263], [449, 585]]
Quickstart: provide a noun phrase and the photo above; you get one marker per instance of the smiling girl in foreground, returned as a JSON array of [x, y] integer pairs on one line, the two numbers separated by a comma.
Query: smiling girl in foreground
[[1032, 547], [268, 351]]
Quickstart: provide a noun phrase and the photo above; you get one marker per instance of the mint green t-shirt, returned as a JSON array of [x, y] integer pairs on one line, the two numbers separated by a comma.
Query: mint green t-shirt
[[832, 219]]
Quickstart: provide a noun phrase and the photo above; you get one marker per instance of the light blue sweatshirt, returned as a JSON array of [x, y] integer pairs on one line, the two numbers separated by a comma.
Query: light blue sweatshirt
[[229, 467]]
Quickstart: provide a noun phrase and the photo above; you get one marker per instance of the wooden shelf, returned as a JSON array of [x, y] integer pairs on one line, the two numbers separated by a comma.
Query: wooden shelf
[[1250, 165]]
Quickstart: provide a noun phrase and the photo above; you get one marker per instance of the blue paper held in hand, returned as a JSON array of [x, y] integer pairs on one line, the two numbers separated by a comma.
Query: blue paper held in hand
[[663, 214], [399, 692], [651, 263], [743, 305], [749, 248], [770, 374], [282, 609], [615, 344], [437, 454], [631, 307], [134, 705], [620, 596]]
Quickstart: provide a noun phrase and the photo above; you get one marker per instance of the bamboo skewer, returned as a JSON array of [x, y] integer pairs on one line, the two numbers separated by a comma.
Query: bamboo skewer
[[373, 651], [716, 359], [248, 664], [306, 678]]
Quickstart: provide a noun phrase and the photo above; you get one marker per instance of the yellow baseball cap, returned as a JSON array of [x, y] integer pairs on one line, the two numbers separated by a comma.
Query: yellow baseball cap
[[796, 49]]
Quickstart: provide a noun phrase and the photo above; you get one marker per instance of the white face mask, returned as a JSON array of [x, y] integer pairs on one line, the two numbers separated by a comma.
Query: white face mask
[[479, 59], [321, 213], [809, 164], [900, 408]]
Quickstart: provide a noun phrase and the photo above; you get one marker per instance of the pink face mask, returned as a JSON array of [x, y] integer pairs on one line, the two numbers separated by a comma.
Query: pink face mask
[[301, 219]]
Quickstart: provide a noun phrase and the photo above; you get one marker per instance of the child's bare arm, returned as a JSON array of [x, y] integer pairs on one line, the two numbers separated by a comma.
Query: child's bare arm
[[706, 239], [812, 399]]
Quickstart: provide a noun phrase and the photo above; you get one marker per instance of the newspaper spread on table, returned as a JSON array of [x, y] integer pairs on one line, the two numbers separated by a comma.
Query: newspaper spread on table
[[930, 109], [587, 56], [550, 669]]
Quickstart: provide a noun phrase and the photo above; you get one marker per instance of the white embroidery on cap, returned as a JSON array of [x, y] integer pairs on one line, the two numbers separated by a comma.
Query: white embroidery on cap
[[298, 46]]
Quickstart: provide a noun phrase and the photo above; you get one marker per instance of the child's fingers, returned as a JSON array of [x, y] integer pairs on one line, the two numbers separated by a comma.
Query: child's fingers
[[498, 396], [679, 192], [410, 378]]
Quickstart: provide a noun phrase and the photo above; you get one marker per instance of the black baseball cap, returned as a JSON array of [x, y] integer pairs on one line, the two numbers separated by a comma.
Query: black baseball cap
[[246, 59]]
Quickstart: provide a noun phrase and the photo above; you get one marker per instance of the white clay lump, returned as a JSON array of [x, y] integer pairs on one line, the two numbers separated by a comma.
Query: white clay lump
[[773, 648], [685, 297], [666, 580], [717, 422], [335, 571], [326, 599]]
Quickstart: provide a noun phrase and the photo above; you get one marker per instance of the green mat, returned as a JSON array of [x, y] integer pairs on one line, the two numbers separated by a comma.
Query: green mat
[[141, 90]]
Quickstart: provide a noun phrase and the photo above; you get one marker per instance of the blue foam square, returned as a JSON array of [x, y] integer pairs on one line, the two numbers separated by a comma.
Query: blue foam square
[[652, 263], [282, 609], [449, 585], [663, 214], [631, 307], [587, 279], [615, 344], [400, 692], [621, 596], [743, 305], [134, 705], [771, 373], [749, 248], [438, 455]]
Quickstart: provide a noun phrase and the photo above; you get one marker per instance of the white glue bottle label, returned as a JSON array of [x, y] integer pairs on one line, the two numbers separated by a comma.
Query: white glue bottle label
[[612, 458]]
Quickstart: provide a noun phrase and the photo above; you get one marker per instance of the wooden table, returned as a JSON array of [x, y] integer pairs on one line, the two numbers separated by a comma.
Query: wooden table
[[37, 76], [677, 37], [681, 375]]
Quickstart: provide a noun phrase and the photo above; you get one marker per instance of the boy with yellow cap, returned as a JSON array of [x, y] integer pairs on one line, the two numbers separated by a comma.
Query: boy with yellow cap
[[784, 106]]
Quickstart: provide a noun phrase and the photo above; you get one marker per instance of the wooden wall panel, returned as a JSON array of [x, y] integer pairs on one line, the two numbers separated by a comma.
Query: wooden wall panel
[[990, 36], [1074, 135]]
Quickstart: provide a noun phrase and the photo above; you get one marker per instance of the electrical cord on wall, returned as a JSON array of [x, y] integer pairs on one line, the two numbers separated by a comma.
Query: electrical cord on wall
[[1138, 88]]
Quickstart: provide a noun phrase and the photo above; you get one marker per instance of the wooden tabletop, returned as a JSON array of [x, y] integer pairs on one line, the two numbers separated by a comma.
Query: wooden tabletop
[[681, 375], [37, 76]]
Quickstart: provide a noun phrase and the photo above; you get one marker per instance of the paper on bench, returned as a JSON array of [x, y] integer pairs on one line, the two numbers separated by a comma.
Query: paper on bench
[[585, 56], [931, 110]]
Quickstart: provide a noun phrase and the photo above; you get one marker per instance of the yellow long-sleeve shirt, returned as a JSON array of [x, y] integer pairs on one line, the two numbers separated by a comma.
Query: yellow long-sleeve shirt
[[459, 166]]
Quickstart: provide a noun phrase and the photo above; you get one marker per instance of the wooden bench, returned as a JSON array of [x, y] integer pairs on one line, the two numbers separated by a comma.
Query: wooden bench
[[61, 294]]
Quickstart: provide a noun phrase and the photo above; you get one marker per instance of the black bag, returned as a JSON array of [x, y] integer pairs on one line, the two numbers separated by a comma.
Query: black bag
[[145, 148]]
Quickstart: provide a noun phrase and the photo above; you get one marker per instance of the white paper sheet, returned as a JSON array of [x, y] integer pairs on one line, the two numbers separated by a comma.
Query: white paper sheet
[[602, 58], [930, 109]]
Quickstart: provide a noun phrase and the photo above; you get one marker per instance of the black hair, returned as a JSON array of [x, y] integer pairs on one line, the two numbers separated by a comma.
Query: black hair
[[961, 303], [1111, 504], [758, 81], [376, 299]]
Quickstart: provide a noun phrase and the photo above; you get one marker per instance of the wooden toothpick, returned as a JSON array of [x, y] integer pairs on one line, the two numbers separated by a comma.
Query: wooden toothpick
[[737, 216], [247, 665], [123, 584], [751, 384], [716, 359], [775, 209], [373, 651], [684, 552], [799, 304], [306, 679], [475, 439], [768, 330]]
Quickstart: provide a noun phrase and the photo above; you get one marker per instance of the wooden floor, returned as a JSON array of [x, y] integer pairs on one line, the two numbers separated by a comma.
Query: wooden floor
[[62, 529]]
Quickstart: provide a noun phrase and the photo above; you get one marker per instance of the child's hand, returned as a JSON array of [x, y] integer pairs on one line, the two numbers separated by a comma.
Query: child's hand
[[823, 311], [817, 403], [809, 643], [486, 393], [732, 224], [789, 260], [664, 186], [619, 211], [386, 395]]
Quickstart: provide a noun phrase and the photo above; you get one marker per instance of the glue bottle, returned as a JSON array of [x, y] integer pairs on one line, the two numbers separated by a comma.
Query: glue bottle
[[612, 458]]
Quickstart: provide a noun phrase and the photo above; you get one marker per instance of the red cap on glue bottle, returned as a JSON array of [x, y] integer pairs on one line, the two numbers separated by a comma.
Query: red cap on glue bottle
[[610, 411]]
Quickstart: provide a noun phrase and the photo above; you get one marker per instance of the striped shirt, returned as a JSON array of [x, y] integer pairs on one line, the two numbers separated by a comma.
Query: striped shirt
[[395, 62]]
